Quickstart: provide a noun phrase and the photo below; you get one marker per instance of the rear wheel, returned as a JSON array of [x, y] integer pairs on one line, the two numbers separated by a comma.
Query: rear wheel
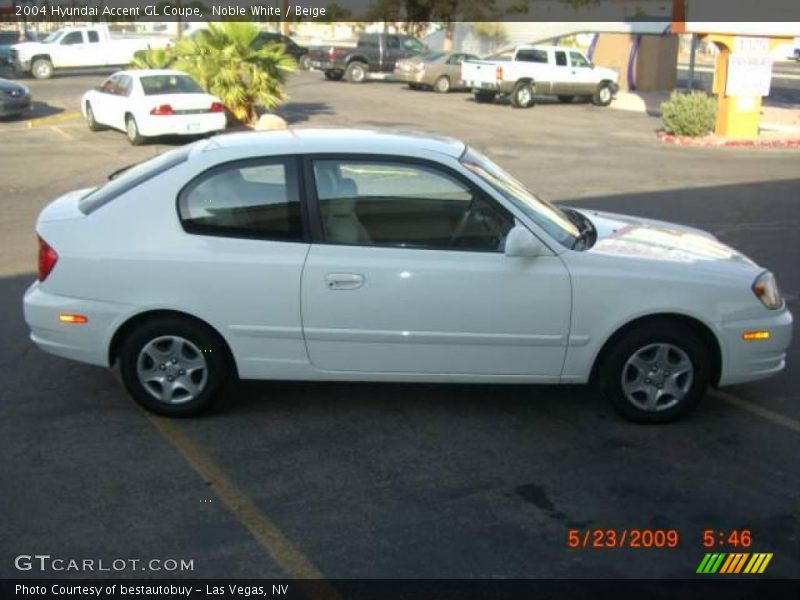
[[522, 95], [333, 75], [173, 366], [132, 130], [484, 96], [442, 85], [90, 119], [304, 62], [656, 373], [356, 72]]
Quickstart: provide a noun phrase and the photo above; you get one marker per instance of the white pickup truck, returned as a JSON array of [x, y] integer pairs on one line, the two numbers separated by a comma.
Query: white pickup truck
[[78, 47], [540, 70]]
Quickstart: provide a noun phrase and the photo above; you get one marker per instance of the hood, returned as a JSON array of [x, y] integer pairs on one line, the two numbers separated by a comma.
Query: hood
[[28, 48], [607, 73], [634, 237], [11, 86]]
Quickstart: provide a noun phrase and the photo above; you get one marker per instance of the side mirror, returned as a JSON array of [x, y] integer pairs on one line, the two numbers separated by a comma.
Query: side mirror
[[521, 242]]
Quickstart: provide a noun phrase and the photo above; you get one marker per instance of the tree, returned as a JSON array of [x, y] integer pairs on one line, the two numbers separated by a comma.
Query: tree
[[223, 61], [152, 58]]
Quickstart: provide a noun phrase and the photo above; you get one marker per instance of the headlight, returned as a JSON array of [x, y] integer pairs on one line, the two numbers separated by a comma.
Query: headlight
[[766, 289]]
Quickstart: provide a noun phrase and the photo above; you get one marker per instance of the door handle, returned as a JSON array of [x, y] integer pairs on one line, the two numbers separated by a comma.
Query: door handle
[[343, 281]]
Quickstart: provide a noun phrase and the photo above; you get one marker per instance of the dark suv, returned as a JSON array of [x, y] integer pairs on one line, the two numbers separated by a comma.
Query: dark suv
[[298, 52]]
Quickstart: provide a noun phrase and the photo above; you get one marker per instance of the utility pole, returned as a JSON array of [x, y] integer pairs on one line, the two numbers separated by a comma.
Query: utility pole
[[692, 53]]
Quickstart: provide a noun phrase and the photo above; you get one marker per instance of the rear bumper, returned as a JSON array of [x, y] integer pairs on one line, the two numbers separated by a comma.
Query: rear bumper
[[745, 361], [152, 125], [325, 65], [88, 343]]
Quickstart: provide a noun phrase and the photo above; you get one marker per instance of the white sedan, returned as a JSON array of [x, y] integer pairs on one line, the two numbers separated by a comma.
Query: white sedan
[[150, 103], [369, 256]]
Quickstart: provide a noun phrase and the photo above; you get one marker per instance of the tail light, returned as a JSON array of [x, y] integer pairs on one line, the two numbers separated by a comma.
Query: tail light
[[47, 259], [164, 109], [498, 73], [331, 53], [217, 107]]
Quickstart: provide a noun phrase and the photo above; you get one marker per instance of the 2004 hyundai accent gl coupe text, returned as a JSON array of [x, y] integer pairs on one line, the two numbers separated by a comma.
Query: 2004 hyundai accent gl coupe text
[[381, 256]]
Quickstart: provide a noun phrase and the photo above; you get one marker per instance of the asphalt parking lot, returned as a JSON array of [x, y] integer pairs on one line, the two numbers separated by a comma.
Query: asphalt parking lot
[[401, 481]]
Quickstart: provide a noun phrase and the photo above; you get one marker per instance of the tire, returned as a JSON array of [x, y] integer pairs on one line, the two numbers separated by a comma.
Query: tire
[[90, 120], [356, 72], [484, 96], [304, 62], [566, 99], [42, 68], [442, 85], [194, 370], [132, 131], [664, 353], [522, 95], [603, 95], [333, 75]]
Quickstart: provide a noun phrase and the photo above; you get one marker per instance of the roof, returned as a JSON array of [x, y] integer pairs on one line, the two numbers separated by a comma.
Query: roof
[[369, 141], [546, 47]]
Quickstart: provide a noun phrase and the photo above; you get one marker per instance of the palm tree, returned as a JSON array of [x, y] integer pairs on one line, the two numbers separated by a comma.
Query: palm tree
[[152, 58], [223, 60]]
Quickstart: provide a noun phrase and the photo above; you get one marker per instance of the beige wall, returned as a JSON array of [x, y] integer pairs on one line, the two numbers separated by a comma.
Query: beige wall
[[656, 60]]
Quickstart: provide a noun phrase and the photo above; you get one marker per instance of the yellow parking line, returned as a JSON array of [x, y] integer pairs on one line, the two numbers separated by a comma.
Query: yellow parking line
[[59, 118], [755, 409], [267, 534]]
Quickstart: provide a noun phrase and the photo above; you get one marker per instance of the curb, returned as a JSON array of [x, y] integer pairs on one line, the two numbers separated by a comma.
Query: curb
[[708, 142], [59, 118]]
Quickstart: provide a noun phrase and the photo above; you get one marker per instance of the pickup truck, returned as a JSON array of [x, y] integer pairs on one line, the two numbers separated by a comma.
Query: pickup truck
[[373, 53], [78, 47], [540, 70]]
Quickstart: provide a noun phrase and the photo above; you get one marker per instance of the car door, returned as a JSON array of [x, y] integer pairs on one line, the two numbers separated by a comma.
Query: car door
[[73, 51], [392, 52], [452, 68], [562, 78], [119, 102], [409, 276], [582, 71], [104, 100]]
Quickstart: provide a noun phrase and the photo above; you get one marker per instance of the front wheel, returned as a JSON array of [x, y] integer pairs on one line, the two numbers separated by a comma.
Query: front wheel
[[174, 367], [132, 130], [656, 373], [522, 95], [442, 84], [356, 72], [42, 68], [603, 95]]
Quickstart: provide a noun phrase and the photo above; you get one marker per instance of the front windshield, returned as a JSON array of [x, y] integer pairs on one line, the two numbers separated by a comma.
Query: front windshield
[[544, 214], [53, 37]]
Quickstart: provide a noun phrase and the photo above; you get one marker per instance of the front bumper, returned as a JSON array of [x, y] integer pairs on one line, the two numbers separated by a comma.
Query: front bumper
[[745, 361], [409, 76], [10, 106], [22, 66]]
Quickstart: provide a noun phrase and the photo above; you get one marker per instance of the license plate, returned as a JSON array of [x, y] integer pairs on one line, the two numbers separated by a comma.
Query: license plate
[[193, 127], [316, 64]]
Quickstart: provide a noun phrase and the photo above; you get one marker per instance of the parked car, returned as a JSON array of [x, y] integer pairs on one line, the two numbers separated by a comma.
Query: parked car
[[15, 98], [78, 47], [368, 256], [297, 52], [541, 70], [439, 71], [153, 102], [373, 53]]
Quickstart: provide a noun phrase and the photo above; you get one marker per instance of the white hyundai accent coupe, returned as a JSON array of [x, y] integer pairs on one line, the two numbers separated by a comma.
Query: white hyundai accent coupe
[[380, 256], [153, 102]]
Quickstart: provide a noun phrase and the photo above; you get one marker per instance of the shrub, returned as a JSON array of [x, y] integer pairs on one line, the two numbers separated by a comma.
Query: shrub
[[152, 58], [692, 114]]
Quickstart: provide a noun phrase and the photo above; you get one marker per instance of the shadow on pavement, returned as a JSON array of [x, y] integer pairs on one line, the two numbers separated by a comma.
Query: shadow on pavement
[[299, 112]]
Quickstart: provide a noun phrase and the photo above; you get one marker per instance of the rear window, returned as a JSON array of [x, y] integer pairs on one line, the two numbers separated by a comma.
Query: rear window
[[131, 177], [155, 85]]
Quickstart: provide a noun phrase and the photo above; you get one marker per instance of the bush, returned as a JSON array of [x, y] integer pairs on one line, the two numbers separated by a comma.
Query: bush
[[152, 58], [692, 114]]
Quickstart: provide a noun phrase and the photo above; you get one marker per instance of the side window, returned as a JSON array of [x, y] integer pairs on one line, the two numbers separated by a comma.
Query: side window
[[247, 199], [413, 44], [392, 42], [455, 59], [124, 85], [561, 58], [579, 60], [94, 38], [74, 37], [110, 85], [537, 56], [382, 203]]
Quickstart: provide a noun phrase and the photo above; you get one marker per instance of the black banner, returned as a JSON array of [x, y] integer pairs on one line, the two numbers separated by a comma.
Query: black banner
[[330, 11], [383, 589]]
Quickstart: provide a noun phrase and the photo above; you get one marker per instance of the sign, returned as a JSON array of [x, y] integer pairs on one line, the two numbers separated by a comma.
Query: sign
[[748, 75], [751, 46]]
